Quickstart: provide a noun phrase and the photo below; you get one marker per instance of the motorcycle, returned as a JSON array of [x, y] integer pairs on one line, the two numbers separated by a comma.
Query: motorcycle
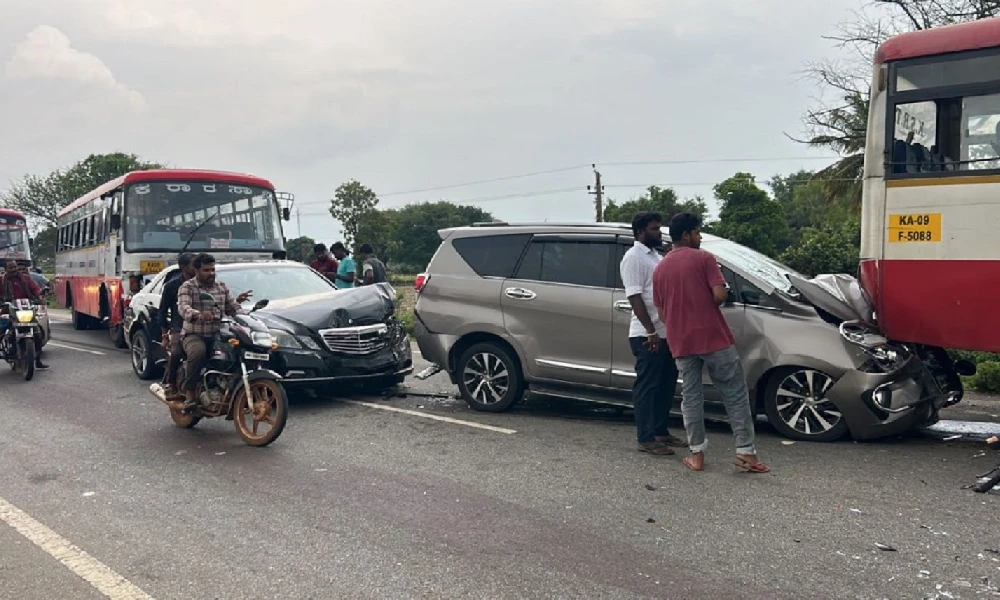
[[235, 381], [21, 328]]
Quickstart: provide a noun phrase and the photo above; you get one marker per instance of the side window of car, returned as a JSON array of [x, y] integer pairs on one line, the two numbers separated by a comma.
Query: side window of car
[[731, 283], [620, 251], [569, 262], [492, 255], [752, 295]]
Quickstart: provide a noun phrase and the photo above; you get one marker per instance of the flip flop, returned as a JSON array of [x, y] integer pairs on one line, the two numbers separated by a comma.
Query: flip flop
[[673, 441], [751, 467]]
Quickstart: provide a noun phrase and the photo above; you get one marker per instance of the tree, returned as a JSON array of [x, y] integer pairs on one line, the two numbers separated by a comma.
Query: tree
[[300, 248], [354, 205], [378, 228], [749, 216], [832, 248], [43, 252], [41, 198], [806, 202], [416, 228], [656, 199], [842, 125]]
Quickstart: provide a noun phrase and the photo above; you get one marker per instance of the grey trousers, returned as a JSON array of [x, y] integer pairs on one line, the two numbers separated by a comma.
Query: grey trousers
[[726, 373]]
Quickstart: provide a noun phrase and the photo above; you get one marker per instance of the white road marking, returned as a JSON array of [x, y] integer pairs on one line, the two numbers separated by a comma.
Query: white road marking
[[58, 345], [416, 413], [91, 570]]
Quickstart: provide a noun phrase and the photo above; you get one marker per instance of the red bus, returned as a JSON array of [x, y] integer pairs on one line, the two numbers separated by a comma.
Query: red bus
[[930, 251], [115, 238], [14, 241]]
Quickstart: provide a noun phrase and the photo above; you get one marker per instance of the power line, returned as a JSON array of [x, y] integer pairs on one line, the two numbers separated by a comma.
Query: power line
[[483, 181], [492, 198], [717, 160]]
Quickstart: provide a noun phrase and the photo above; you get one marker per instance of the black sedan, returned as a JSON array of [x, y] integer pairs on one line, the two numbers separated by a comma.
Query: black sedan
[[324, 335]]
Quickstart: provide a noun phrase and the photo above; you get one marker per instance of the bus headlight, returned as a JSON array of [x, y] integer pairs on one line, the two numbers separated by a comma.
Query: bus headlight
[[24, 316]]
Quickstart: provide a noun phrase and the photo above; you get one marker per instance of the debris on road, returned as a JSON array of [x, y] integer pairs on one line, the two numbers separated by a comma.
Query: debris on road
[[952, 438], [884, 547], [651, 520], [650, 488], [787, 442]]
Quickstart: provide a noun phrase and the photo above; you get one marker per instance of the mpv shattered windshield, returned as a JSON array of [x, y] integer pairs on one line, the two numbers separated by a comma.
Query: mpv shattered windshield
[[754, 263]]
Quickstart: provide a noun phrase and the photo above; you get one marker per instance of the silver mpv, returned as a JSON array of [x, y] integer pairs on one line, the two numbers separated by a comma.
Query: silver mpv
[[509, 309]]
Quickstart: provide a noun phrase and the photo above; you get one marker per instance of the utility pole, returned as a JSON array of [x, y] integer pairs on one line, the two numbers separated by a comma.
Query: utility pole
[[598, 192], [298, 220]]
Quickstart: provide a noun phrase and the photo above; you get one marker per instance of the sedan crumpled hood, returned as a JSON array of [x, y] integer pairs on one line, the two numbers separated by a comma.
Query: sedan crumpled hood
[[342, 308], [840, 295]]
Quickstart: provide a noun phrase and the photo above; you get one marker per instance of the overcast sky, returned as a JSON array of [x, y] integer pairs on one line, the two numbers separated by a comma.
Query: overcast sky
[[406, 95]]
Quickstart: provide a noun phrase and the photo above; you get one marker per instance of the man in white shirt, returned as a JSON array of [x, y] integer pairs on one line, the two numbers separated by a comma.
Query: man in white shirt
[[656, 373]]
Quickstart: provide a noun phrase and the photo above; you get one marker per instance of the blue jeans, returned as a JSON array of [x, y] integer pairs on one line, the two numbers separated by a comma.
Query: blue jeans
[[653, 390], [726, 372]]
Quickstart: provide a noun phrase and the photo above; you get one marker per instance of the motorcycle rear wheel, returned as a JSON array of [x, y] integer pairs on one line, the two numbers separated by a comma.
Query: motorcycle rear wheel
[[270, 406]]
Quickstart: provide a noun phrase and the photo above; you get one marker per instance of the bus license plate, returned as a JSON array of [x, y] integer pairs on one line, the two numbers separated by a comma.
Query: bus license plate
[[256, 356], [151, 267], [914, 228]]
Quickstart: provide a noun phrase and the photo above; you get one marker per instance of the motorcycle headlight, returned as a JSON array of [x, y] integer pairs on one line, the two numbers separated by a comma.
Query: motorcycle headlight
[[24, 316], [261, 338], [283, 339]]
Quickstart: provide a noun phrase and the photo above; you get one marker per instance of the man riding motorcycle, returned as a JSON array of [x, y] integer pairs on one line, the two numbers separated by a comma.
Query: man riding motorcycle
[[171, 321], [200, 323], [17, 284]]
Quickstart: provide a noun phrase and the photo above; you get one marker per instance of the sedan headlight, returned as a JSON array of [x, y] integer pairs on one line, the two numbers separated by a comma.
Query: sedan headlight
[[284, 339], [24, 316], [261, 338]]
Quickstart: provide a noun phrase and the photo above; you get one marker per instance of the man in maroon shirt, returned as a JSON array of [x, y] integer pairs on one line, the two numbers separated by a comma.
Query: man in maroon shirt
[[324, 262], [688, 288], [16, 284]]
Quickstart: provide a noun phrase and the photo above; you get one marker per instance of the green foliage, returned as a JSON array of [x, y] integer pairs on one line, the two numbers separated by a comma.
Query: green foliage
[[832, 248], [43, 253], [300, 248], [415, 229], [41, 198], [749, 216], [987, 377], [356, 207], [661, 200]]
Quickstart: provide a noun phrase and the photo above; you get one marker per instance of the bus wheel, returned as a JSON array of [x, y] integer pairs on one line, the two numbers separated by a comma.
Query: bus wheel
[[118, 335], [80, 321]]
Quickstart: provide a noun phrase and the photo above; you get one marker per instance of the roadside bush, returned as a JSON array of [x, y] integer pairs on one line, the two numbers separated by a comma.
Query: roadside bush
[[987, 377]]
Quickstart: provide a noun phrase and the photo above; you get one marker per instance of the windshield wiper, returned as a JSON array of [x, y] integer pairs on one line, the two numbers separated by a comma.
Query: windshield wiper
[[195, 230]]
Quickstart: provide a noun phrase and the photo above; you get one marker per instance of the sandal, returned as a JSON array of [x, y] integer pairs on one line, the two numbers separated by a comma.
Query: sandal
[[671, 440], [655, 448], [751, 467]]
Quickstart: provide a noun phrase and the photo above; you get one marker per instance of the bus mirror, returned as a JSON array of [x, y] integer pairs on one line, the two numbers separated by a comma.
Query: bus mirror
[[286, 214], [116, 222], [31, 242]]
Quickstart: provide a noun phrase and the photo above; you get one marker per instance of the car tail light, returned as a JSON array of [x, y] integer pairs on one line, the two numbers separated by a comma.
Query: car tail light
[[421, 281]]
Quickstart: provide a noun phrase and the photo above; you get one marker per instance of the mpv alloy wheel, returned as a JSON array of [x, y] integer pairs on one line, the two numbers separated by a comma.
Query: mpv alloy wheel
[[797, 406], [489, 378]]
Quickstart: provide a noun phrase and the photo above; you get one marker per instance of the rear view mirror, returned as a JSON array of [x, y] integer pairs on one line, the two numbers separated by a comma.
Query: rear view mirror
[[730, 296], [286, 214], [31, 242], [260, 304], [116, 222]]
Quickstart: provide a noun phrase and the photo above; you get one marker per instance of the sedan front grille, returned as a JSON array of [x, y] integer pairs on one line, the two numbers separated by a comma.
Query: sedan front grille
[[356, 340]]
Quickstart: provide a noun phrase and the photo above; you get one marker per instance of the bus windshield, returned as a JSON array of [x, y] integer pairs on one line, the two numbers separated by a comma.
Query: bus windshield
[[14, 242], [162, 216]]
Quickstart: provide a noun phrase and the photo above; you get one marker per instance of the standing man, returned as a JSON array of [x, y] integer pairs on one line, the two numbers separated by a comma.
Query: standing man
[[688, 289], [200, 321], [171, 321], [656, 373], [346, 272], [323, 262], [372, 269]]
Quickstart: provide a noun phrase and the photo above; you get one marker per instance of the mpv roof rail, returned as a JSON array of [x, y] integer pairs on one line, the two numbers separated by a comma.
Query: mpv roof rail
[[548, 224]]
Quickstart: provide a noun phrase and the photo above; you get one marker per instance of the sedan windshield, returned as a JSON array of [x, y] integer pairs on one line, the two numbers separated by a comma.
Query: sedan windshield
[[273, 282], [753, 263], [162, 216]]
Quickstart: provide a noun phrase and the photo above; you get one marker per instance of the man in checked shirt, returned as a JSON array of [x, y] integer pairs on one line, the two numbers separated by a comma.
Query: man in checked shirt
[[201, 321]]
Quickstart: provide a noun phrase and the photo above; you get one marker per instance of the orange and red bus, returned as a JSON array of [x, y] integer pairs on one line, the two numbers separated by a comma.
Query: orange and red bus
[[115, 238], [14, 241], [930, 244]]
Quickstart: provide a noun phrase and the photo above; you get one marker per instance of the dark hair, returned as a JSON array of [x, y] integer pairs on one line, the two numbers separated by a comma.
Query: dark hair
[[184, 259], [203, 259], [319, 248], [683, 223], [642, 220], [367, 249], [338, 246]]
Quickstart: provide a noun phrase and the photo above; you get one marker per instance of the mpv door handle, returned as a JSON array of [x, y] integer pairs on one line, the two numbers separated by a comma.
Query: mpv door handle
[[623, 305], [519, 293]]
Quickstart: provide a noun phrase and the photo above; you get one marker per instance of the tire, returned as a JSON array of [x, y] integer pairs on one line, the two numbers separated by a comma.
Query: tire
[[29, 359], [505, 386], [277, 409], [81, 321], [818, 421], [117, 333], [143, 359], [182, 420]]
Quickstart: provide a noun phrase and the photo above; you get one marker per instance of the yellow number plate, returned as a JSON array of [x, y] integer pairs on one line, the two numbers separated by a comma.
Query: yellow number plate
[[916, 227], [151, 267]]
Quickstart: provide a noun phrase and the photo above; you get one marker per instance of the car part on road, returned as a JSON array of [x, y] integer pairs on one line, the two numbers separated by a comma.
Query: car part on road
[[489, 378], [990, 482], [797, 406]]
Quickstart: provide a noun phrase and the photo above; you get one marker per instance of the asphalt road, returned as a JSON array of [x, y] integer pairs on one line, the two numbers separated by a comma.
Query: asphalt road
[[98, 488]]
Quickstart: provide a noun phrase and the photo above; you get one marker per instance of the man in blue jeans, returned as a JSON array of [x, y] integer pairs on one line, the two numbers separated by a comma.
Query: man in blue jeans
[[656, 373], [688, 289]]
